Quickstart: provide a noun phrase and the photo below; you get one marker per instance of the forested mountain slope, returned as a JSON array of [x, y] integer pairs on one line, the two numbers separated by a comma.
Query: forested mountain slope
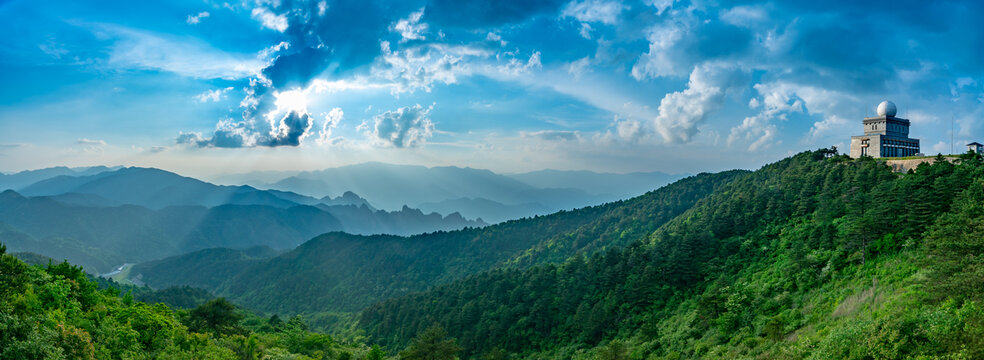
[[809, 257], [99, 237], [56, 312], [342, 272]]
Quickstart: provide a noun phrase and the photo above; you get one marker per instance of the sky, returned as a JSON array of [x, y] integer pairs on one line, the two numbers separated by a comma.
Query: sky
[[210, 87]]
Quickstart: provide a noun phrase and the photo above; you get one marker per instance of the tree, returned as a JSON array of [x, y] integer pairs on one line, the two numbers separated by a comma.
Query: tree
[[218, 316], [615, 350], [375, 353], [432, 344]]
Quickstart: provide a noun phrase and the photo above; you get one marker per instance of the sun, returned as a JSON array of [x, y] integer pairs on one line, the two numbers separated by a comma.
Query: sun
[[292, 100]]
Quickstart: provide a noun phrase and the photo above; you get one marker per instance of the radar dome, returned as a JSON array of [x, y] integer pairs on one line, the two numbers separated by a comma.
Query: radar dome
[[887, 108]]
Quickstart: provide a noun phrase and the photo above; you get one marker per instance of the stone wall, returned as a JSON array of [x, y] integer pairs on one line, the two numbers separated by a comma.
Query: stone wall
[[900, 165]]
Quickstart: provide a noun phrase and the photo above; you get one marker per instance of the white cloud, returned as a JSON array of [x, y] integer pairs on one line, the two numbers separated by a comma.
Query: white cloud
[[757, 130], [270, 20], [579, 67], [410, 28], [628, 129], [186, 57], [418, 68], [553, 135], [585, 31], [517, 67], [682, 112], [660, 5], [605, 12], [495, 38], [196, 18], [659, 61], [53, 49], [89, 142], [213, 95], [404, 127], [331, 121], [744, 15]]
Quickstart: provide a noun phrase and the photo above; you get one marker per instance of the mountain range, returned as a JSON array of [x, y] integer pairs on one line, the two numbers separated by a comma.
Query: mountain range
[[475, 193], [817, 256], [343, 272], [139, 214]]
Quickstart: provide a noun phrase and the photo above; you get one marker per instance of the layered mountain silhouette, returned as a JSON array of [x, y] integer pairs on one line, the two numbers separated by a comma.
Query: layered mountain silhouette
[[343, 272], [139, 214], [475, 193]]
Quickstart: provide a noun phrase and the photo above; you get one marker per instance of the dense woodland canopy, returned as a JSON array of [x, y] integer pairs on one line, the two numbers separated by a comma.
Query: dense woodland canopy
[[816, 256], [343, 272], [810, 257], [57, 312]]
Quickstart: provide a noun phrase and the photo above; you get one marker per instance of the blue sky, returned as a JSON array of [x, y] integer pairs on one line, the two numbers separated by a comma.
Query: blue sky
[[206, 87]]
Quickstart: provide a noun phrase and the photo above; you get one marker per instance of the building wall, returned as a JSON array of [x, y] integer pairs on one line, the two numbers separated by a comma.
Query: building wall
[[874, 146]]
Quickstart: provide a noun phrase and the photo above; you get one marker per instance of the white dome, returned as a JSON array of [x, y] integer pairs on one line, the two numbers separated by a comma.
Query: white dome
[[887, 108]]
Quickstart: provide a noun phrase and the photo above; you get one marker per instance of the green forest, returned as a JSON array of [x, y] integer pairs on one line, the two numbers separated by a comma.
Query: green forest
[[59, 312], [340, 272], [816, 256]]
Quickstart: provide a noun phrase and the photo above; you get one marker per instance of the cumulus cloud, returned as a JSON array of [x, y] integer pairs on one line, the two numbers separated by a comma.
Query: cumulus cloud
[[684, 41], [418, 68], [270, 20], [196, 18], [493, 37], [517, 67], [330, 122], [758, 131], [659, 60], [660, 5], [744, 15], [681, 113], [404, 127], [290, 129], [213, 95], [410, 28]]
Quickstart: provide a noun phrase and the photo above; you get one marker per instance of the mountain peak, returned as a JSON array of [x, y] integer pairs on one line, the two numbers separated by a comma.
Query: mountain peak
[[10, 194]]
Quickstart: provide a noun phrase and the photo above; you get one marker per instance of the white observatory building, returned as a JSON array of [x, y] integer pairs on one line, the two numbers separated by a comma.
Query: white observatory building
[[884, 135]]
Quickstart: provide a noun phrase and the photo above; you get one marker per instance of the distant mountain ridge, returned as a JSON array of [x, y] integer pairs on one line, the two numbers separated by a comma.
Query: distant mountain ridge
[[472, 192], [98, 237], [138, 214], [344, 272], [19, 180]]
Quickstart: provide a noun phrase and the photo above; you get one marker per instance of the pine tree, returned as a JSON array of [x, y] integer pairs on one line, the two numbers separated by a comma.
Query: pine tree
[[432, 344]]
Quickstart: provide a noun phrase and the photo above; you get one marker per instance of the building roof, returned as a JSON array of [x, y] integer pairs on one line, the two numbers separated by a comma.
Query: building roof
[[975, 143]]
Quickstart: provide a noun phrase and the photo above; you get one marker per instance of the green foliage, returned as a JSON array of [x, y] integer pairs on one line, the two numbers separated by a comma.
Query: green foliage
[[432, 344], [217, 316], [811, 257], [56, 312], [338, 272]]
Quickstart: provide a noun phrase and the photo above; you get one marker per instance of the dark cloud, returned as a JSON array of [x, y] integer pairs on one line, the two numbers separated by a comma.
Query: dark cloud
[[487, 13], [404, 127], [293, 127], [340, 37], [296, 69], [289, 130]]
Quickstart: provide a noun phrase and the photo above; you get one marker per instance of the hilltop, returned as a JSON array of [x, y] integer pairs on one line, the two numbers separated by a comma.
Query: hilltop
[[811, 257]]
